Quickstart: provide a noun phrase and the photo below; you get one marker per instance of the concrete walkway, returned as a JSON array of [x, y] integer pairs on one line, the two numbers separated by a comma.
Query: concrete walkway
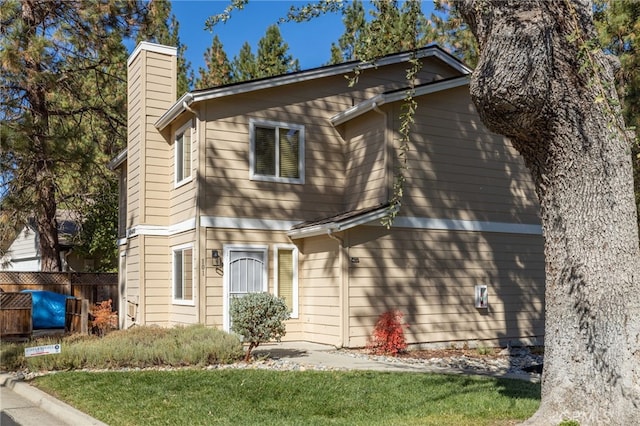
[[314, 354], [24, 405]]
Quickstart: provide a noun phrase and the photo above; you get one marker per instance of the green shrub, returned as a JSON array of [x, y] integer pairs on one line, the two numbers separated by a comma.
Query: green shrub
[[258, 318], [143, 346]]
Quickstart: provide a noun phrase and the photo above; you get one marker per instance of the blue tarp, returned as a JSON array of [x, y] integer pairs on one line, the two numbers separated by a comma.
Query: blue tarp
[[48, 308]]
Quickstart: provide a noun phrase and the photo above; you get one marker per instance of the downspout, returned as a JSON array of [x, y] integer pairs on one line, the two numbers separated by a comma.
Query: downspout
[[202, 262], [186, 106], [343, 298], [334, 237]]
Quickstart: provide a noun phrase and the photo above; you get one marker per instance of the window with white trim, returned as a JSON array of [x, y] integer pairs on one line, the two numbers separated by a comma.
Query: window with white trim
[[183, 146], [276, 151], [183, 267], [286, 276]]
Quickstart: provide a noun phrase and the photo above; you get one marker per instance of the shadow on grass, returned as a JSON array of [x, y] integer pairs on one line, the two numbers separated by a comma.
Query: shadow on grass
[[279, 353], [513, 388]]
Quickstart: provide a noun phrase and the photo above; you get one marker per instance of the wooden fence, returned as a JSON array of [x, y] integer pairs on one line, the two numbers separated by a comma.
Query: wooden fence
[[16, 316], [16, 320], [94, 287]]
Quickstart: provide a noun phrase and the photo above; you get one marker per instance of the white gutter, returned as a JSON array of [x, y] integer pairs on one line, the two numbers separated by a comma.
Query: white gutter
[[385, 98], [298, 77]]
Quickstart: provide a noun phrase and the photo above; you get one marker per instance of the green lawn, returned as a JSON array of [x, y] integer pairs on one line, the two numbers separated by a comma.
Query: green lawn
[[260, 397]]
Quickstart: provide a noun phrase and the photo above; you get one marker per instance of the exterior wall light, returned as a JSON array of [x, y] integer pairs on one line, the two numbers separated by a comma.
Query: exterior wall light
[[217, 261], [482, 297]]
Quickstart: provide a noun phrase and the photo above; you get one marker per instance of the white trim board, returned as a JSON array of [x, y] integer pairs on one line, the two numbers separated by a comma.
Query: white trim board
[[467, 225], [152, 47], [286, 225], [162, 231]]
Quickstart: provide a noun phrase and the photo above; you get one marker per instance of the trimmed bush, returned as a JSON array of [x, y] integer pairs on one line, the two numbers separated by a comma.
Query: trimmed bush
[[258, 318]]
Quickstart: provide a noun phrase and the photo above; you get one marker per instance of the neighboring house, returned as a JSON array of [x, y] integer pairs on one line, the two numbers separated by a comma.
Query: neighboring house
[[280, 184], [23, 252]]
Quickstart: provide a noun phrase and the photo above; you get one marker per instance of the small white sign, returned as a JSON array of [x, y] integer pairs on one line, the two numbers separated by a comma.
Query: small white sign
[[42, 350]]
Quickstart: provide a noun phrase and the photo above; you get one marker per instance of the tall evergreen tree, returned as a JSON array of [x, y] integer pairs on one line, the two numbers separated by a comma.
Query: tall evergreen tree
[[273, 57], [161, 26], [353, 18], [618, 23], [404, 25], [244, 64], [218, 67], [452, 33], [63, 107]]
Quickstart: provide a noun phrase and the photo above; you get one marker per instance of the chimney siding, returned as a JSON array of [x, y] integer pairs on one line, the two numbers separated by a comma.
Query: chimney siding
[[152, 71]]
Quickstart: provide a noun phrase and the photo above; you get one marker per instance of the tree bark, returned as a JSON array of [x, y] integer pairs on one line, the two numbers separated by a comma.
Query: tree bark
[[540, 82], [44, 191]]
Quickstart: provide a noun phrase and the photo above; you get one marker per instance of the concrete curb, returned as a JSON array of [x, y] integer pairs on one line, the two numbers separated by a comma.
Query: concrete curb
[[46, 402]]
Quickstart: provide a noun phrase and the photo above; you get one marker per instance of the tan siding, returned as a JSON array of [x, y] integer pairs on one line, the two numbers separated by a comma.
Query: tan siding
[[132, 292], [151, 91], [458, 170], [320, 291], [366, 175], [312, 104], [182, 199], [229, 190], [431, 277], [135, 105]]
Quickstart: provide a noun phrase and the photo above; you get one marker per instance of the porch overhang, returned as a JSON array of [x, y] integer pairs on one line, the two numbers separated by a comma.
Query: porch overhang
[[338, 223]]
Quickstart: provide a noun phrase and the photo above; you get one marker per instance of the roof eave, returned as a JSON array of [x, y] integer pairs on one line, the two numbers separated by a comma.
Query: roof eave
[[338, 226], [172, 113], [189, 98], [379, 100]]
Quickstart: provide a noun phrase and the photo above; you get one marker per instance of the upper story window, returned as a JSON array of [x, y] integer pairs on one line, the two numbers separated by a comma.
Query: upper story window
[[276, 151], [183, 151]]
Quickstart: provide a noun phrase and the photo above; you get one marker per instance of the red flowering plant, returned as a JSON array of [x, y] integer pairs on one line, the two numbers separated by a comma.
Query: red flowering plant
[[388, 334]]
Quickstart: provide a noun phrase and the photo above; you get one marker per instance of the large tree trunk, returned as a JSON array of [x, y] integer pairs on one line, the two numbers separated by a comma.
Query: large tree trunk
[[44, 191], [541, 83]]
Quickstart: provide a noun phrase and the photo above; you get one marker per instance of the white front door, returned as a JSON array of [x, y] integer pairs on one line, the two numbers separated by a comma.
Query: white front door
[[245, 271]]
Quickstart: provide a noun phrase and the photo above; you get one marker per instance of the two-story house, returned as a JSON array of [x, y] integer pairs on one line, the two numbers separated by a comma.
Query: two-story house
[[280, 184]]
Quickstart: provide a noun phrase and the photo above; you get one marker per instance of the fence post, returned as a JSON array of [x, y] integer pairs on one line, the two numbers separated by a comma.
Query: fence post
[[84, 322]]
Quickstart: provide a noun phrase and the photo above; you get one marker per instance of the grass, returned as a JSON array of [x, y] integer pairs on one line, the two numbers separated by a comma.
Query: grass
[[197, 396], [206, 397]]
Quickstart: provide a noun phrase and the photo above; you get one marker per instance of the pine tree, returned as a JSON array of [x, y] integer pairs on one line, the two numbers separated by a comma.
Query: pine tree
[[63, 108], [218, 67], [273, 57], [354, 21], [244, 64], [618, 24], [405, 28], [452, 33]]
